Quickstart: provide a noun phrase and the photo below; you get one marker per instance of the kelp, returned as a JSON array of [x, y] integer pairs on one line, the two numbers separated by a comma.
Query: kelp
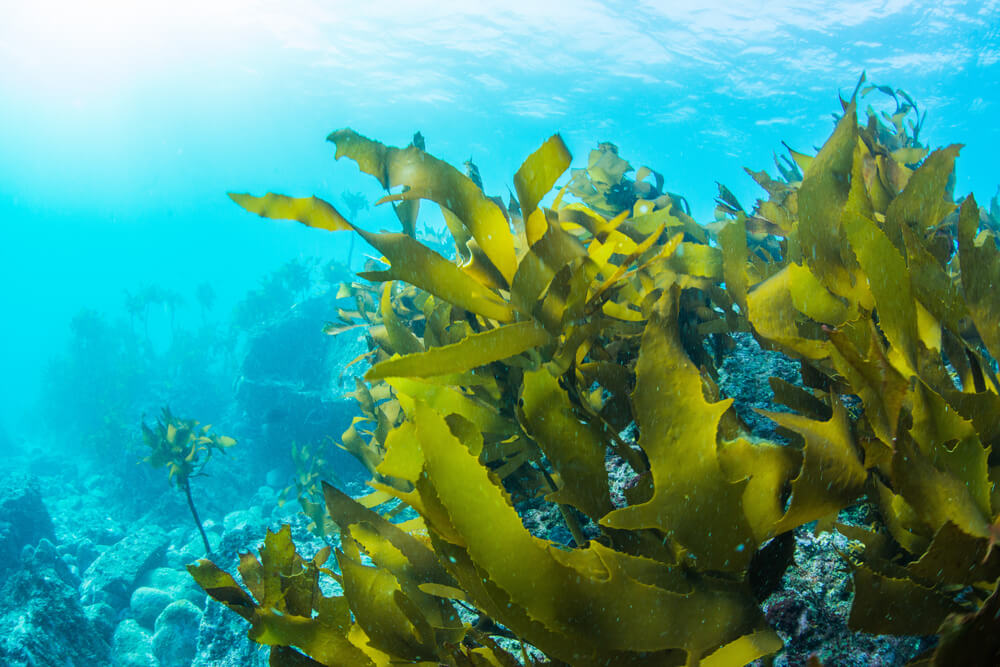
[[514, 372], [184, 447]]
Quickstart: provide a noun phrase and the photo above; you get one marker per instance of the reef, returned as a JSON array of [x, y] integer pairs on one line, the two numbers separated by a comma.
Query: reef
[[568, 358]]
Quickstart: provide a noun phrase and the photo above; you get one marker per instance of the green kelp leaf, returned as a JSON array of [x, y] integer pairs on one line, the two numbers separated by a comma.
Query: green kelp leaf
[[292, 611], [434, 616], [971, 638], [498, 605], [799, 399], [589, 595], [472, 351], [694, 502], [277, 558], [902, 521], [832, 475], [745, 650], [887, 606], [434, 179], [459, 233], [824, 192], [733, 239], [888, 278], [909, 155], [310, 211], [352, 442], [283, 656], [980, 263], [955, 558], [859, 357], [448, 400], [377, 603], [769, 468], [982, 408], [421, 563], [922, 204], [548, 255], [407, 212], [410, 260], [576, 450], [695, 259], [222, 587], [950, 443], [402, 339], [539, 172], [414, 263], [773, 314], [934, 289], [813, 300], [936, 495], [323, 641]]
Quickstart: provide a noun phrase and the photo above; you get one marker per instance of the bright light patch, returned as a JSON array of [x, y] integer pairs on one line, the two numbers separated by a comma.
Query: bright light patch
[[71, 50]]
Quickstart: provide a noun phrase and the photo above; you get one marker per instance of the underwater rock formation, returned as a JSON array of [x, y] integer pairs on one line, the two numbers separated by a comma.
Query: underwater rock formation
[[114, 575], [40, 611], [24, 520], [291, 389]]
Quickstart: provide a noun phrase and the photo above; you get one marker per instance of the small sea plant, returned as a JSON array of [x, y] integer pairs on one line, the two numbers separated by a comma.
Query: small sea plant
[[311, 470], [184, 447]]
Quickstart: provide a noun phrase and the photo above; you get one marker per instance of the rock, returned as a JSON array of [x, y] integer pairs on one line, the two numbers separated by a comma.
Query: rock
[[103, 618], [195, 548], [289, 374], [24, 519], [113, 576], [223, 641], [86, 553], [42, 620], [147, 603], [132, 646], [175, 640], [177, 583], [243, 518]]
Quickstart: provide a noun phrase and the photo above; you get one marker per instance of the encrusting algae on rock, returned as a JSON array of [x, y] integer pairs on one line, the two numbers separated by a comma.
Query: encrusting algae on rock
[[510, 373]]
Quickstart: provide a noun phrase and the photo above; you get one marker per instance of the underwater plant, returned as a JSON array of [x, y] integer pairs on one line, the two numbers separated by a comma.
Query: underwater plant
[[184, 447], [311, 470], [566, 339]]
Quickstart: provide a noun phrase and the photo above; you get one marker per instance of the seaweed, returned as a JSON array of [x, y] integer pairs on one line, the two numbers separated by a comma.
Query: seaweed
[[311, 470], [184, 447], [512, 373]]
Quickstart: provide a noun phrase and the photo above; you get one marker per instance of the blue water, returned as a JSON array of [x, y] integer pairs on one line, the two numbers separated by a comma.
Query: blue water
[[122, 125]]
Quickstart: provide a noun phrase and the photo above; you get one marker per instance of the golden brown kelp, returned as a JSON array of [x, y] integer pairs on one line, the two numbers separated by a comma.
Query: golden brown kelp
[[184, 447], [510, 374]]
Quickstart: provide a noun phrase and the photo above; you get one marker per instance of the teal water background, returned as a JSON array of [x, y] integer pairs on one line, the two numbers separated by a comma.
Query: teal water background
[[123, 124]]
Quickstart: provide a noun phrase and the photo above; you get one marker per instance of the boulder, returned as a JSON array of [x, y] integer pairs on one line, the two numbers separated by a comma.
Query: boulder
[[103, 618], [177, 583], [147, 603], [24, 519], [114, 574], [175, 640], [41, 616], [132, 646]]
